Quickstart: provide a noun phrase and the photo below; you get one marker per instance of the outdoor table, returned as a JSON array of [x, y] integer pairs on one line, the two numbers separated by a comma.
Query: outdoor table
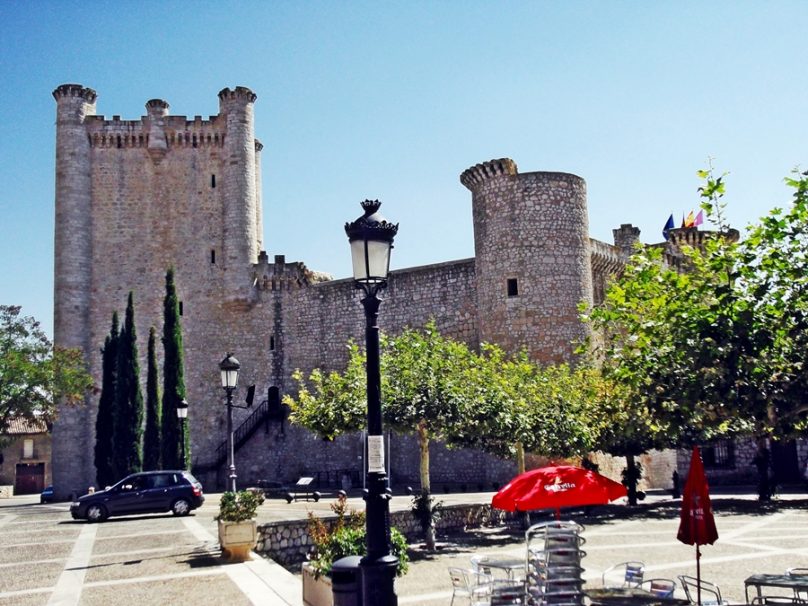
[[509, 565], [629, 596], [799, 582]]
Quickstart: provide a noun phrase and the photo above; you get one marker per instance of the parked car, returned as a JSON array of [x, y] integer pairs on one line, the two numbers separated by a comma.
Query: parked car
[[46, 496], [176, 491]]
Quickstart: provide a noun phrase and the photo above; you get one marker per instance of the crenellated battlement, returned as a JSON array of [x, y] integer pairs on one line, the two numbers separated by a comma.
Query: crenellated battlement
[[239, 93], [75, 90], [178, 131], [281, 275], [478, 173]]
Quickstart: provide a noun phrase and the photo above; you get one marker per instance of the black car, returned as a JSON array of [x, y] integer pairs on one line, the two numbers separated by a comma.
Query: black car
[[148, 492], [46, 496]]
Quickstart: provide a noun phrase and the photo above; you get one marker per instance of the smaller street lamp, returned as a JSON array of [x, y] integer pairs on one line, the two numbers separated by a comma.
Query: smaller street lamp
[[229, 368], [182, 414]]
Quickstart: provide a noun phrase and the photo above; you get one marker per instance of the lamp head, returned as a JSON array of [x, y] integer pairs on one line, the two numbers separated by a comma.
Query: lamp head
[[229, 368], [371, 238]]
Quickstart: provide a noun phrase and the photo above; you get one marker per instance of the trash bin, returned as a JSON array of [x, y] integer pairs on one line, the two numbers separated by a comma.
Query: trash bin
[[346, 582]]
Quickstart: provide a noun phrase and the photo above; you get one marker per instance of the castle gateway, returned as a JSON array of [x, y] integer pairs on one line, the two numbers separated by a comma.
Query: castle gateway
[[135, 197]]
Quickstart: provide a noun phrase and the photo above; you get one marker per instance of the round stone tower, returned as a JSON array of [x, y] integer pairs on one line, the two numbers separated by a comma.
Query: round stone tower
[[240, 196], [73, 266], [531, 242]]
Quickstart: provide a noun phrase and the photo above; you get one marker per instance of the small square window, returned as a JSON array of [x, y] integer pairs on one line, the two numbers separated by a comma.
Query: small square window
[[513, 287]]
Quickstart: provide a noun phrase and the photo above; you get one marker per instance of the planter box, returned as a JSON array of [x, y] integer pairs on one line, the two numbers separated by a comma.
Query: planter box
[[237, 539], [316, 590]]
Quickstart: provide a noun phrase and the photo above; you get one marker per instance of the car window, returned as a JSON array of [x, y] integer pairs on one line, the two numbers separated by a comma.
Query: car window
[[160, 480], [190, 478]]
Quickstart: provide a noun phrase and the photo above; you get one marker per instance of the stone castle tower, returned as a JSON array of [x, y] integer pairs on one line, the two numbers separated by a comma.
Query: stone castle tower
[[135, 197]]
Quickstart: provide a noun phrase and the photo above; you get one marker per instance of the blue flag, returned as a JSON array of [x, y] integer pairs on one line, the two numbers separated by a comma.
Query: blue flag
[[668, 227]]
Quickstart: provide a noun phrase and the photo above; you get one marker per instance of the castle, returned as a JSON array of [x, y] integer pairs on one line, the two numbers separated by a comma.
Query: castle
[[134, 197]]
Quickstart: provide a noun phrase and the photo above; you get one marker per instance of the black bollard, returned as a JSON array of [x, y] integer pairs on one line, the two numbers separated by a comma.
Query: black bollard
[[675, 489]]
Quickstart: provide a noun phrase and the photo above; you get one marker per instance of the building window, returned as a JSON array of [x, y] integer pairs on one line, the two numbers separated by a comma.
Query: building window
[[27, 449], [213, 181], [180, 307], [719, 455], [213, 256], [513, 287], [271, 343]]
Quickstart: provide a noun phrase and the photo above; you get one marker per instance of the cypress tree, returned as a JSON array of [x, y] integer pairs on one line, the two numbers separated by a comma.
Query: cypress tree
[[173, 380], [105, 419], [129, 417], [151, 437]]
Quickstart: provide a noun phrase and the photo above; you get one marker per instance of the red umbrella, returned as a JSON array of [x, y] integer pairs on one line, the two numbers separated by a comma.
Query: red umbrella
[[697, 525], [555, 487]]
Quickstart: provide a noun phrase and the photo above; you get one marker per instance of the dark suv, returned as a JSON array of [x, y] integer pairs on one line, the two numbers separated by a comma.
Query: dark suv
[[148, 492]]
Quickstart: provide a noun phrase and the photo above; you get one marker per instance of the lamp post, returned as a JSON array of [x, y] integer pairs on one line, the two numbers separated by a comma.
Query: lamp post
[[229, 368], [182, 414], [371, 239]]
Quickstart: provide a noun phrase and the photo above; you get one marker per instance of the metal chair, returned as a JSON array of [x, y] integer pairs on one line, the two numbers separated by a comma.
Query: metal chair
[[471, 585], [508, 593], [478, 564], [775, 600], [631, 574], [800, 594], [691, 586], [661, 588]]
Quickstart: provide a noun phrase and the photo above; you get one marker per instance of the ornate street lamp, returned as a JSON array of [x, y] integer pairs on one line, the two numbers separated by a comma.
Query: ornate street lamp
[[229, 368], [371, 239], [182, 414]]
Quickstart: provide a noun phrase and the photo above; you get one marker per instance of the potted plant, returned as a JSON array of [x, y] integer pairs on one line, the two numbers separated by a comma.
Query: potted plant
[[237, 530], [334, 540]]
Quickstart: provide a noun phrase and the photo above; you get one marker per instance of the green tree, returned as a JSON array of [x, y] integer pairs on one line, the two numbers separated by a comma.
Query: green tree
[[35, 375], [715, 348], [173, 380], [105, 418], [129, 408], [151, 436]]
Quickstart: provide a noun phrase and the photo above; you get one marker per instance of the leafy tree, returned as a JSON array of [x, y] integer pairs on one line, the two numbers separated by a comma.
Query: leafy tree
[[105, 418], [128, 422], [716, 347], [35, 375], [151, 436], [173, 380]]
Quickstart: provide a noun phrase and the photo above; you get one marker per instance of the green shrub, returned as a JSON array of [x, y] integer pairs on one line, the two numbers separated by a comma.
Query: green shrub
[[345, 537], [239, 506]]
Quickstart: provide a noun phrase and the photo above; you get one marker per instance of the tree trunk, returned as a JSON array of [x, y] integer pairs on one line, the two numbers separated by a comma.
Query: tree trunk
[[520, 457], [423, 445], [761, 461], [632, 476]]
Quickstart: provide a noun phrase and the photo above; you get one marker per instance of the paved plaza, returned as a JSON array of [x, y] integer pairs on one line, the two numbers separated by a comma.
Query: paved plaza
[[47, 558]]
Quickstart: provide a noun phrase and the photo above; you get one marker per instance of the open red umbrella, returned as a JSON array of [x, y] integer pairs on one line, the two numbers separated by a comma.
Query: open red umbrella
[[555, 487], [697, 524]]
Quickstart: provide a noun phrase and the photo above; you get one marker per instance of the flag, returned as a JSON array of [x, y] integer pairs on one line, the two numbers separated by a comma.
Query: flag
[[668, 227], [697, 525], [690, 221], [699, 219]]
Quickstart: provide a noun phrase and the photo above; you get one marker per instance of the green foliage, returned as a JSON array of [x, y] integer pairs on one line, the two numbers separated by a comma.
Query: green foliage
[[173, 380], [128, 420], [151, 436], [35, 375], [105, 418], [716, 347], [239, 506], [346, 536]]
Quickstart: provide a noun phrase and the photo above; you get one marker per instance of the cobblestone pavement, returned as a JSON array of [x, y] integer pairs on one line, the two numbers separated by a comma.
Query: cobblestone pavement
[[47, 558]]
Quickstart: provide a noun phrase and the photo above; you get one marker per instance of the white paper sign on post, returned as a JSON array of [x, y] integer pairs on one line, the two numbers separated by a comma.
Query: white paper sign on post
[[376, 454]]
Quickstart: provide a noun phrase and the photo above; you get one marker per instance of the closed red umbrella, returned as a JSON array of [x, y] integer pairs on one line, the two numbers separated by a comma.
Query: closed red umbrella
[[697, 524], [555, 487]]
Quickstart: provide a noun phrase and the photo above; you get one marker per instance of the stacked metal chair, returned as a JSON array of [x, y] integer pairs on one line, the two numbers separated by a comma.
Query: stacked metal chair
[[554, 576]]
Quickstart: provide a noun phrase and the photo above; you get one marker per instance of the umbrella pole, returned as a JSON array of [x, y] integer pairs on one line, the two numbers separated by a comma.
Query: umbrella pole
[[698, 574]]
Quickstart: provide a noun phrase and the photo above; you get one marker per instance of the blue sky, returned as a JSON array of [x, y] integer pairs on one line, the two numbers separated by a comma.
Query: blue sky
[[393, 100]]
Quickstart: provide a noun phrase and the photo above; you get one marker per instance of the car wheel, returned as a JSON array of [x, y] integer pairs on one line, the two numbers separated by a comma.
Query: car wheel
[[96, 513], [181, 507]]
